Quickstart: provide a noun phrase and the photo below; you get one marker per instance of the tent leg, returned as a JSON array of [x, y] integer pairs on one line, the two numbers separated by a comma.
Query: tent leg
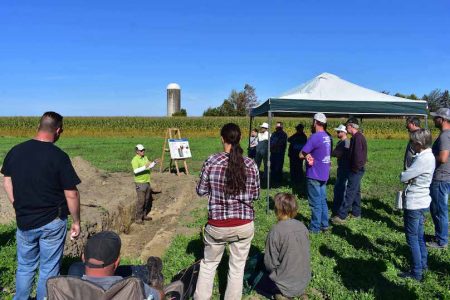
[[268, 164], [250, 131], [361, 124]]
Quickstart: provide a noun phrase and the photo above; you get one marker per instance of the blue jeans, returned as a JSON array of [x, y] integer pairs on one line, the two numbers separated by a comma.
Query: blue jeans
[[43, 246], [317, 198], [339, 188], [439, 191], [352, 198], [415, 237]]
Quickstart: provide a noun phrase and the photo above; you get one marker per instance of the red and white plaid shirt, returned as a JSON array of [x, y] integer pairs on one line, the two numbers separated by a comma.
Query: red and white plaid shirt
[[212, 183]]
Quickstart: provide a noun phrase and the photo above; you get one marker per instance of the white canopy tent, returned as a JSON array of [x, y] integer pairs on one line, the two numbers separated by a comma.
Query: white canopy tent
[[329, 94]]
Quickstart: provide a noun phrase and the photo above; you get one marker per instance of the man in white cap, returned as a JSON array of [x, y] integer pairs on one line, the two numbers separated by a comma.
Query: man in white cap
[[262, 149], [357, 162], [440, 186], [341, 152], [317, 152], [141, 170]]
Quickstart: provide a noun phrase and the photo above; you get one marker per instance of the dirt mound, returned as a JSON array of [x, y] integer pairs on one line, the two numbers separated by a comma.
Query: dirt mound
[[108, 203]]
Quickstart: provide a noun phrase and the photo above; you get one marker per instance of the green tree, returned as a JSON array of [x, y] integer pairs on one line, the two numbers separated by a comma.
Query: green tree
[[237, 104], [181, 113], [433, 99]]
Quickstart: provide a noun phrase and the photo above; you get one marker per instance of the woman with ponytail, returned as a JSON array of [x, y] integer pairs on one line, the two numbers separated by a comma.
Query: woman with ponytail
[[231, 182]]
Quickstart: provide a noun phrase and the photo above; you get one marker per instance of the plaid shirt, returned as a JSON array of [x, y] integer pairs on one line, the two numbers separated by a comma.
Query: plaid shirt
[[212, 182]]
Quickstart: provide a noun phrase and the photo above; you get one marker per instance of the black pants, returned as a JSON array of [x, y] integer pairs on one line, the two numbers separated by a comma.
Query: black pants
[[352, 198], [296, 170], [276, 166]]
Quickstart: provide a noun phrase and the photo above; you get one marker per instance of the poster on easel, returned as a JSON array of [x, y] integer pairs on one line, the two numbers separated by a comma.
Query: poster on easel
[[179, 148]]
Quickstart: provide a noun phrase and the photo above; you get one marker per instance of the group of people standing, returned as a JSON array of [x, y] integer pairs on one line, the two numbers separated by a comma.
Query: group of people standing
[[427, 178], [316, 151]]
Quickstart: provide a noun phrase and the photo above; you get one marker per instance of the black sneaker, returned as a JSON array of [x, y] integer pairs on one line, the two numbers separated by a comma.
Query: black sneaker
[[155, 276], [436, 245], [409, 275]]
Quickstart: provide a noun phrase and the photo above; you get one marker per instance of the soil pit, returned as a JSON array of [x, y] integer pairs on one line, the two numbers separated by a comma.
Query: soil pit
[[108, 203]]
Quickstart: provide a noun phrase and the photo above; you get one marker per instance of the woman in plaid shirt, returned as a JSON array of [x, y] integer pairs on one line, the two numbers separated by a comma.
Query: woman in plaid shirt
[[231, 182]]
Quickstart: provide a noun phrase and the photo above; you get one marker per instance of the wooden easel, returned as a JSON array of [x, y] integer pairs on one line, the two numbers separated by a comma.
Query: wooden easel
[[170, 134]]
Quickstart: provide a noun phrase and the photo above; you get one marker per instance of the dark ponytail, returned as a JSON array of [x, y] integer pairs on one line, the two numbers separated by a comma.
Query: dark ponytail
[[235, 174]]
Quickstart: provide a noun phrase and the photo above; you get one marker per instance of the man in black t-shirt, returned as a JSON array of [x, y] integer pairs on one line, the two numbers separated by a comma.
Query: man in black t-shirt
[[40, 182]]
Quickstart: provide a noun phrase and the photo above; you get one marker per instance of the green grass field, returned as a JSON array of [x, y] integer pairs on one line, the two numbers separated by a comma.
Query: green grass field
[[359, 260]]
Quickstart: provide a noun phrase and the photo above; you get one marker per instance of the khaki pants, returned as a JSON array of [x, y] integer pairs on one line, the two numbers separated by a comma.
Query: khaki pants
[[143, 204], [239, 239]]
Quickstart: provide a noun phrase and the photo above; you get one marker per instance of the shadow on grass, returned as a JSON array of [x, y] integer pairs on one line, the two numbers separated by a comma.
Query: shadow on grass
[[376, 203], [357, 240], [366, 275], [371, 214], [7, 236]]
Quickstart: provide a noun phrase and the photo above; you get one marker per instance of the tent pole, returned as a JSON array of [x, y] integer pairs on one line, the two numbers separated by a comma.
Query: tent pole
[[268, 163], [250, 131]]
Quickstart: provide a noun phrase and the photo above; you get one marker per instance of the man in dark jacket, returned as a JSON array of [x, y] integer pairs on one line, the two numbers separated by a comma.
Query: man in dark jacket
[[296, 143], [278, 143], [357, 160]]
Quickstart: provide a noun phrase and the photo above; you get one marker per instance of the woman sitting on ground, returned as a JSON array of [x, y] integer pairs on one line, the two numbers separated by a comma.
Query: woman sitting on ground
[[417, 200], [287, 258]]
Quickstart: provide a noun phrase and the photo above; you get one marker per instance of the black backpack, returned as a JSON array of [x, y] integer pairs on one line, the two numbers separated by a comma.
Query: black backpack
[[184, 283]]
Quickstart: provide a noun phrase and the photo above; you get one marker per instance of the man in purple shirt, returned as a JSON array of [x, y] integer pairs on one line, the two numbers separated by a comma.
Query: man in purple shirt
[[357, 161], [317, 154]]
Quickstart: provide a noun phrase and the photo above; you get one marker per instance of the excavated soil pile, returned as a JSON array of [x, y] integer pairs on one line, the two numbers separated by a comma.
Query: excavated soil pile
[[108, 203]]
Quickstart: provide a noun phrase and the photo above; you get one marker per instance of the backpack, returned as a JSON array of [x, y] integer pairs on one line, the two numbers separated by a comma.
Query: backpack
[[71, 287], [253, 272], [184, 283]]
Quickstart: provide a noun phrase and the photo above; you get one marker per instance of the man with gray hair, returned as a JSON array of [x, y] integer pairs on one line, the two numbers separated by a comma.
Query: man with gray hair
[[41, 184], [412, 125], [440, 186], [357, 160]]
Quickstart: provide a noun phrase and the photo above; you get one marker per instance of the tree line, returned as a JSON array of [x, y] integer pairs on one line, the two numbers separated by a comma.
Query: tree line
[[239, 103], [435, 99]]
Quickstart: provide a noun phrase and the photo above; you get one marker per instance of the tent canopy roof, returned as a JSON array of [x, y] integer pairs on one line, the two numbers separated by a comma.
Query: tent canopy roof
[[330, 94]]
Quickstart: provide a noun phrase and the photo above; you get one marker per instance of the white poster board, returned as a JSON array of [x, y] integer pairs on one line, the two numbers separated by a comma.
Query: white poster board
[[179, 148]]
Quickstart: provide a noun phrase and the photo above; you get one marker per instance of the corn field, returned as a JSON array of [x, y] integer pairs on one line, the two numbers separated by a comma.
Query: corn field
[[190, 127]]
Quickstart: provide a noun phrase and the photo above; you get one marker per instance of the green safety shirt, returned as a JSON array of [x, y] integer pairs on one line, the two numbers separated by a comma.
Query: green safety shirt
[[137, 162]]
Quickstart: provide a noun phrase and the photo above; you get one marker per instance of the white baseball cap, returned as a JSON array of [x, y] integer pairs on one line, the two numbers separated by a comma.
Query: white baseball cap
[[341, 128], [321, 118], [264, 125], [140, 147]]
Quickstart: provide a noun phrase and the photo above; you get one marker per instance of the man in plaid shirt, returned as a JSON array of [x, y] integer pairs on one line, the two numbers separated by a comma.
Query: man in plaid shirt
[[231, 182]]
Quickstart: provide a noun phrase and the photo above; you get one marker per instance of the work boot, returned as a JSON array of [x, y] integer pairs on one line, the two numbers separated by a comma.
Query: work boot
[[337, 221], [147, 218], [155, 276]]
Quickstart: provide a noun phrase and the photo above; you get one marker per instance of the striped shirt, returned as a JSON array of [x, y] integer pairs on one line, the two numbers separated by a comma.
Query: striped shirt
[[212, 182]]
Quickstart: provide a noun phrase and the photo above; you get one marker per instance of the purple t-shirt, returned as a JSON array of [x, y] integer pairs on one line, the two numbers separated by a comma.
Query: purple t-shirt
[[319, 146]]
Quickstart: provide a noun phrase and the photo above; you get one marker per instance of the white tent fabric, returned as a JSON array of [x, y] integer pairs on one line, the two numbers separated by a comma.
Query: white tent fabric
[[328, 86]]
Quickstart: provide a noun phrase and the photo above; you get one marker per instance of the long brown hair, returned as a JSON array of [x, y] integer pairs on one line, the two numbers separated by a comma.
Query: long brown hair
[[235, 174]]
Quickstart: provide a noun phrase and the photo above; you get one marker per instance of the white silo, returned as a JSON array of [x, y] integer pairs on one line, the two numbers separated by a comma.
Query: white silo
[[173, 99]]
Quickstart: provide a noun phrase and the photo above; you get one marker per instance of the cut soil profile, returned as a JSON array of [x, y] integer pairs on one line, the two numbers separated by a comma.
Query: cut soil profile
[[108, 203]]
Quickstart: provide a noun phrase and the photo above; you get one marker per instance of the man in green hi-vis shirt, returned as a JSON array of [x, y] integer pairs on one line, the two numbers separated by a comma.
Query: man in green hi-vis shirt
[[141, 169]]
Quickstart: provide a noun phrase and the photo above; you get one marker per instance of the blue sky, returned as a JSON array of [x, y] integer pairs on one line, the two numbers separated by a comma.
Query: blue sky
[[107, 58]]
